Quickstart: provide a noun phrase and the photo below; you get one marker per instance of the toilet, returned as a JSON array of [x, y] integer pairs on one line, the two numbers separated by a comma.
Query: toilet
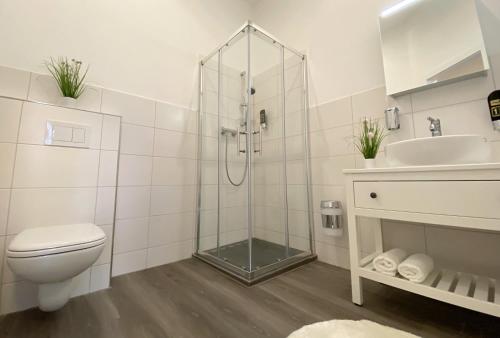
[[51, 256]]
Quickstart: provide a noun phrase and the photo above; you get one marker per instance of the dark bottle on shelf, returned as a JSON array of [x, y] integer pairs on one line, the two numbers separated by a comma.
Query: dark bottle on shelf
[[494, 104]]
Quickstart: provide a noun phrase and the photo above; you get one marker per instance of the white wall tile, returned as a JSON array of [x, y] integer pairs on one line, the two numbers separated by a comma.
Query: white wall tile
[[50, 206], [372, 103], [7, 157], [137, 140], [133, 109], [10, 114], [55, 167], [333, 255], [43, 88], [108, 167], [465, 118], [332, 142], [2, 256], [81, 284], [35, 116], [4, 210], [132, 202], [130, 235], [135, 170], [105, 256], [110, 132], [175, 118], [14, 82], [463, 250], [105, 205], [405, 235], [129, 262], [8, 276], [99, 277], [458, 92], [332, 114], [166, 229], [173, 171], [328, 192], [171, 199], [18, 296], [169, 253], [329, 170], [174, 144], [495, 69]]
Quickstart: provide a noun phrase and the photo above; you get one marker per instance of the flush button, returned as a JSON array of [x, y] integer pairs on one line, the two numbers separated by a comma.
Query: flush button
[[66, 134], [78, 135], [60, 133]]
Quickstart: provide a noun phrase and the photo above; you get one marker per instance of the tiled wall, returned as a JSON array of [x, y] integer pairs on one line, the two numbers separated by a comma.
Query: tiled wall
[[153, 159], [155, 211], [42, 185], [462, 108]]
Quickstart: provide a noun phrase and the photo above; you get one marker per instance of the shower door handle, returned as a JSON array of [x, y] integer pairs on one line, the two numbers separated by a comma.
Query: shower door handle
[[260, 140], [239, 142]]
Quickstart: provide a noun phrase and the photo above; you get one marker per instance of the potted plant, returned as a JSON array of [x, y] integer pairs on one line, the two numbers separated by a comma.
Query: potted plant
[[369, 140], [69, 77]]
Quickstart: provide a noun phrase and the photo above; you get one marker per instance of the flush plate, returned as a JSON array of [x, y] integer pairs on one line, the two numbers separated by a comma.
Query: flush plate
[[66, 134]]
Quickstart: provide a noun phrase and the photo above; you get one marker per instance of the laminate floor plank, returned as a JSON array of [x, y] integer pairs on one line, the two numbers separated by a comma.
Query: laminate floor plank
[[191, 299]]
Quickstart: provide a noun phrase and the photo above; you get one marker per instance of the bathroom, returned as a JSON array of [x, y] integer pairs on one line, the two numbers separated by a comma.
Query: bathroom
[[208, 179]]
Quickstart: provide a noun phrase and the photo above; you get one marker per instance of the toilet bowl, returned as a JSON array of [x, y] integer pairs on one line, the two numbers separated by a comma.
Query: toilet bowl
[[51, 256]]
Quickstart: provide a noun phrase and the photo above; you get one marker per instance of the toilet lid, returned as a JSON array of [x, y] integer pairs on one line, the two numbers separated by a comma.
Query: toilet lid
[[55, 239]]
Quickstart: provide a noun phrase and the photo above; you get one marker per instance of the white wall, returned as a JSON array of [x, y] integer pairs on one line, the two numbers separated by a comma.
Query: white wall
[[149, 48], [342, 41]]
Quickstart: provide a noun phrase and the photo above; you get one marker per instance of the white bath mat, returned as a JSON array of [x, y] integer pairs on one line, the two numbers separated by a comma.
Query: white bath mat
[[349, 329]]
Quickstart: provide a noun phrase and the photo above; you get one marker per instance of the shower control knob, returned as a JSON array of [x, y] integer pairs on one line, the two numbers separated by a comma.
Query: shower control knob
[[373, 195]]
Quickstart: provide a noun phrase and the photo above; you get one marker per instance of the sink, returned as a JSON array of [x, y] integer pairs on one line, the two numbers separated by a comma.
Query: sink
[[439, 150]]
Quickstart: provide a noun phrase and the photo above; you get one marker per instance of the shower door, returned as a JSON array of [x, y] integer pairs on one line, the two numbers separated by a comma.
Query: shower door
[[253, 202]]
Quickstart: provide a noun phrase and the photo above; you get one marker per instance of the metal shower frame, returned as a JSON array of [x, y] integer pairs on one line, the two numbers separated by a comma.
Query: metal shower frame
[[273, 269]]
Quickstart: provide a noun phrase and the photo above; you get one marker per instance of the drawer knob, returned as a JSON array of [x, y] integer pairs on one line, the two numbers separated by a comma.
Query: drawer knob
[[373, 195]]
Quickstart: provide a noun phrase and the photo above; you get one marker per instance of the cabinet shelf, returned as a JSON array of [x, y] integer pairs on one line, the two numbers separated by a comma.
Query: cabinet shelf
[[475, 292]]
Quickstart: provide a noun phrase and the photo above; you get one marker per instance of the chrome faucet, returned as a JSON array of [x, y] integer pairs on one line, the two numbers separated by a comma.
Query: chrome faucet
[[435, 126]]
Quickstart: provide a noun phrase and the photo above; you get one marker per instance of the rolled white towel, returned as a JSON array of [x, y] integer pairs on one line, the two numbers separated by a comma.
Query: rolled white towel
[[387, 263], [416, 268]]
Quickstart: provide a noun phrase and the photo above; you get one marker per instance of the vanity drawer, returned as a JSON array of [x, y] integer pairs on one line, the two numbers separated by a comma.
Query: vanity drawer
[[457, 198]]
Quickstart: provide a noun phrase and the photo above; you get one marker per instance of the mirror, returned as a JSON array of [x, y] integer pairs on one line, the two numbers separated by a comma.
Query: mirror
[[430, 42]]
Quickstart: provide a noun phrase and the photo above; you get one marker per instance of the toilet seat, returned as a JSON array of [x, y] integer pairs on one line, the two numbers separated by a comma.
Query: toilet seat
[[57, 239]]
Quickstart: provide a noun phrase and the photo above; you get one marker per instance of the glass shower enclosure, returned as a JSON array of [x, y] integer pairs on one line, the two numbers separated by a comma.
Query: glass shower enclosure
[[254, 215]]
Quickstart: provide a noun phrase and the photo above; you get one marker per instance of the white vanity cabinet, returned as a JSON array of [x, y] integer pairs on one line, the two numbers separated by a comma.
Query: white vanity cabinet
[[463, 196]]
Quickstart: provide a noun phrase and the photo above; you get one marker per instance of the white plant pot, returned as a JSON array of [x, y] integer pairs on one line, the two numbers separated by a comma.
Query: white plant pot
[[67, 102], [370, 163]]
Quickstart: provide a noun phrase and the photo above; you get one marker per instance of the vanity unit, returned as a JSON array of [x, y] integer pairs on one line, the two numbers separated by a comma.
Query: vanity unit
[[461, 196]]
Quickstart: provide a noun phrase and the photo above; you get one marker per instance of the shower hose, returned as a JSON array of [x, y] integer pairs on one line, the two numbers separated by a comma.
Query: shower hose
[[246, 166]]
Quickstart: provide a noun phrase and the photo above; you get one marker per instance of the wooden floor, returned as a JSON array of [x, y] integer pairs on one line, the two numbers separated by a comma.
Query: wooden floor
[[191, 299]]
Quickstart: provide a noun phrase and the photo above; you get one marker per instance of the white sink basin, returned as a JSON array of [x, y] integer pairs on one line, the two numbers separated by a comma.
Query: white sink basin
[[439, 150]]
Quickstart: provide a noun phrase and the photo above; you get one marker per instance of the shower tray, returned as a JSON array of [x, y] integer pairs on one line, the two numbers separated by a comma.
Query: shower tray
[[268, 259]]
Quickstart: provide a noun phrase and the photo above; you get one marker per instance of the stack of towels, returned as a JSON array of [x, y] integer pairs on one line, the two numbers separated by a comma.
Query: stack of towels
[[415, 268]]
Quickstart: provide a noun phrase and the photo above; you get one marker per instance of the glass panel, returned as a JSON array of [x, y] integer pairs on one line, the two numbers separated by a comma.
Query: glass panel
[[208, 216], [233, 154], [296, 165], [270, 201]]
